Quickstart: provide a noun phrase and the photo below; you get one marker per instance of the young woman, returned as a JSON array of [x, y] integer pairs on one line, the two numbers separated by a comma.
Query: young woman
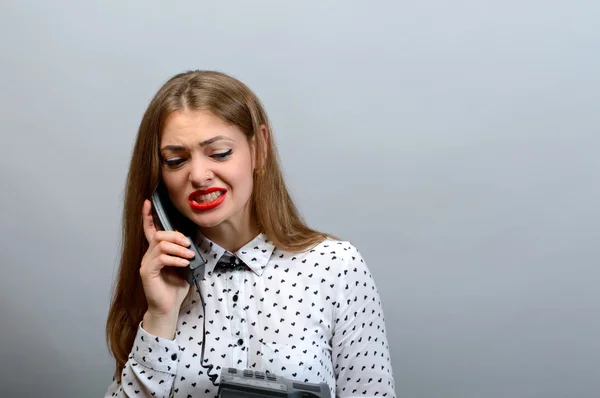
[[276, 297]]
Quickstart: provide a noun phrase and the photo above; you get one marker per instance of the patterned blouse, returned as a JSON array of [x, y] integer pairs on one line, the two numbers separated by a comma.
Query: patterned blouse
[[313, 317]]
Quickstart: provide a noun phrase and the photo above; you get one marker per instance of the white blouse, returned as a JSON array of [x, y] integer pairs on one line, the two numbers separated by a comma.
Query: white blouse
[[314, 317]]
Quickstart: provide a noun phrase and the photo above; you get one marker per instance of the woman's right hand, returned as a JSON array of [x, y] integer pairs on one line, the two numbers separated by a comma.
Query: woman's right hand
[[165, 290]]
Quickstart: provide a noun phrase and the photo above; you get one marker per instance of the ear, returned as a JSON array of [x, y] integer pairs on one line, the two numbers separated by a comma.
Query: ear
[[260, 145]]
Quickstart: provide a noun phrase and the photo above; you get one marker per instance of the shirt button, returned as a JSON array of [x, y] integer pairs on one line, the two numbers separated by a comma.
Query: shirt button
[[174, 356], [235, 297], [240, 341]]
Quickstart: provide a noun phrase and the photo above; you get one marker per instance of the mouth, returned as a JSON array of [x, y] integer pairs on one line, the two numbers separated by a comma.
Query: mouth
[[207, 199]]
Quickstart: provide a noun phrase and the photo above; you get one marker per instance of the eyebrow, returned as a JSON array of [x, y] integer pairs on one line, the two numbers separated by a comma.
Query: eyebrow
[[202, 144]]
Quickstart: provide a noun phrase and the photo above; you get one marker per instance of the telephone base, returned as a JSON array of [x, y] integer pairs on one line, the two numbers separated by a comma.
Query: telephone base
[[248, 384]]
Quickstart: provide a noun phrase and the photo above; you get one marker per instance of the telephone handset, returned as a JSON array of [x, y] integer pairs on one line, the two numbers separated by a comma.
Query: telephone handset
[[168, 218], [164, 215]]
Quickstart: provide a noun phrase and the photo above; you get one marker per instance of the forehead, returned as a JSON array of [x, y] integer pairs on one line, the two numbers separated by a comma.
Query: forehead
[[191, 126]]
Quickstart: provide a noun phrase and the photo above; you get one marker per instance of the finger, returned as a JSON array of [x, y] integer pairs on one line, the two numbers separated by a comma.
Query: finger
[[166, 260], [148, 221], [153, 268], [171, 236], [163, 260], [174, 249]]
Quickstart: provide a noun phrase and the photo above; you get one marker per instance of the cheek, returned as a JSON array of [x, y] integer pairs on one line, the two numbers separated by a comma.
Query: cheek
[[244, 183], [177, 181], [242, 176]]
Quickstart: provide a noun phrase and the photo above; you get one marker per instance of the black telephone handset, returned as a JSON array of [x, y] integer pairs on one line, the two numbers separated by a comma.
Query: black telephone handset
[[164, 214]]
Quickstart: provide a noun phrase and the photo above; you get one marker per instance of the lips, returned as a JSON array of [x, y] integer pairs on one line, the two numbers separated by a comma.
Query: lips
[[207, 199]]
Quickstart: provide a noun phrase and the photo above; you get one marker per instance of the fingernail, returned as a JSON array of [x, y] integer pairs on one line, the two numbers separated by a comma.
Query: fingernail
[[186, 241]]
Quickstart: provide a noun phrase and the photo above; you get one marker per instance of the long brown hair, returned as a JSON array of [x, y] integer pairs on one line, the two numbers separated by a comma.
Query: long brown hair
[[271, 205]]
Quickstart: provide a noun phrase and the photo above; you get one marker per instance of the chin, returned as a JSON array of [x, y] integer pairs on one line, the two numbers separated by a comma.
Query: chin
[[205, 221]]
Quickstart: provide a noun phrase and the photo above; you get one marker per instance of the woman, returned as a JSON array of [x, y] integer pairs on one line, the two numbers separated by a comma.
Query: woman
[[297, 303]]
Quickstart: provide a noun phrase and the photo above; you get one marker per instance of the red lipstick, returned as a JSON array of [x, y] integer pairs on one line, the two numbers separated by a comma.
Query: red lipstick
[[201, 206]]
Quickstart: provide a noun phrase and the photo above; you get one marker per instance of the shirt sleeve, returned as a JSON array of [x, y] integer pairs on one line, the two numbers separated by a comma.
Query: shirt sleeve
[[360, 350], [150, 369]]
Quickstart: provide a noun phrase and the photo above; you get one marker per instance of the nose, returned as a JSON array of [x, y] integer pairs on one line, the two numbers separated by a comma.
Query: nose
[[200, 174]]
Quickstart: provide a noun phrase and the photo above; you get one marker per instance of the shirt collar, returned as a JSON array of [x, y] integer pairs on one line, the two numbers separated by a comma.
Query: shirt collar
[[255, 254]]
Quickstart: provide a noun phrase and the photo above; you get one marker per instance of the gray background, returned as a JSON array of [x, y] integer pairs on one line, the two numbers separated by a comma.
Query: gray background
[[455, 143]]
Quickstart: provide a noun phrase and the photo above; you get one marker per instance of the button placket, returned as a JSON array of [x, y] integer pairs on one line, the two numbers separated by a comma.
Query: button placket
[[238, 327]]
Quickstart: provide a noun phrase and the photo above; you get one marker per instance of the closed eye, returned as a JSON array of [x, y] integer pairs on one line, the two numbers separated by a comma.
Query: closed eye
[[173, 162], [222, 155]]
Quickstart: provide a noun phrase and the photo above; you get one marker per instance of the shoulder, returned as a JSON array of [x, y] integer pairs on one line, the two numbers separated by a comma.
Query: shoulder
[[343, 253], [346, 267], [335, 255]]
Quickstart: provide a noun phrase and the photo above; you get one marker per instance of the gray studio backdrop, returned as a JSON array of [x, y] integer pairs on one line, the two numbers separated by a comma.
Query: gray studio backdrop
[[455, 143]]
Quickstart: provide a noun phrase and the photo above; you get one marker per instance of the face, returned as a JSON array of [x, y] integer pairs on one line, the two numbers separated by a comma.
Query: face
[[207, 167]]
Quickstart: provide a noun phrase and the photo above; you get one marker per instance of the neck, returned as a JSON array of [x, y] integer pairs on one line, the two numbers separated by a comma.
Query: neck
[[232, 235]]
